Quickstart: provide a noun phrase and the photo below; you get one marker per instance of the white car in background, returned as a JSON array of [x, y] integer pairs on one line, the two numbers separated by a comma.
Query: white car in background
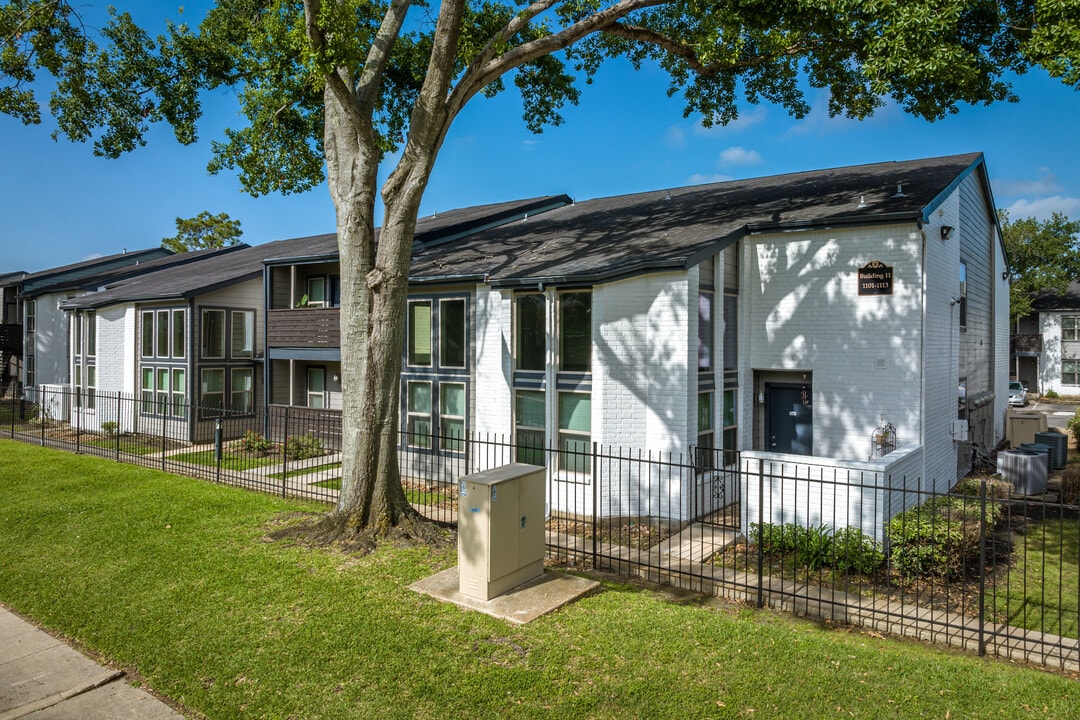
[[1017, 394]]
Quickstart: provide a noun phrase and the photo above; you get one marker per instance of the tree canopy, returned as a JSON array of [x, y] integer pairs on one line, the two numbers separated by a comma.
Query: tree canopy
[[1044, 256], [203, 232], [333, 88]]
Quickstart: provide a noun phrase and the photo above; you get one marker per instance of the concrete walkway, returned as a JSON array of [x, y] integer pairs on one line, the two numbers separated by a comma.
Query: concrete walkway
[[42, 678]]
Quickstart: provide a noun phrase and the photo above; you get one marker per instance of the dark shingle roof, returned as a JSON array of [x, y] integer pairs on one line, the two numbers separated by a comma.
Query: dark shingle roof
[[612, 237], [82, 273], [1051, 301]]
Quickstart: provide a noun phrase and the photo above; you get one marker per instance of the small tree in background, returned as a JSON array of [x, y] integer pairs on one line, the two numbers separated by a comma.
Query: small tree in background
[[1044, 256], [203, 232]]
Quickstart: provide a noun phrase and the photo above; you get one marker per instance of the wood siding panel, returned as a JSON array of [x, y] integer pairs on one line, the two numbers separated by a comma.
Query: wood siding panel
[[303, 328]]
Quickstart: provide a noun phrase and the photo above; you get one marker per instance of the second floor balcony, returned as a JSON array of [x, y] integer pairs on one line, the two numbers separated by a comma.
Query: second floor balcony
[[303, 328], [1026, 344]]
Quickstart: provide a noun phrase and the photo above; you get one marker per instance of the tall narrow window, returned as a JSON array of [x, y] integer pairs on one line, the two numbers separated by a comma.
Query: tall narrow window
[[731, 331], [529, 331], [316, 387], [179, 393], [241, 390], [213, 389], [529, 423], [77, 332], [213, 334], [418, 409], [91, 334], [575, 432], [179, 334], [705, 442], [1070, 327], [452, 416], [575, 331], [147, 390], [420, 332], [963, 295], [161, 395], [452, 333], [147, 349], [162, 334], [705, 331], [243, 333]]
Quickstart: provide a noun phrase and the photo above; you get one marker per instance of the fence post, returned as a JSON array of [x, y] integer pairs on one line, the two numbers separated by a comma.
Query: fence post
[[217, 449], [285, 449], [982, 567], [595, 505], [78, 420], [119, 423], [164, 431], [761, 534]]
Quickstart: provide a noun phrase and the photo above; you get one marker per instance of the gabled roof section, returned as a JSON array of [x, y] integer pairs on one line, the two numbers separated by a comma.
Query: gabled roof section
[[12, 278], [78, 274], [204, 274], [1048, 301], [609, 238]]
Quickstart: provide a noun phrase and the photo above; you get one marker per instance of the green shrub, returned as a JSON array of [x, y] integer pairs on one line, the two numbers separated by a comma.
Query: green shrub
[[996, 488], [1051, 395], [774, 539], [255, 443], [813, 546], [855, 551], [302, 447], [940, 537], [110, 428], [1073, 426]]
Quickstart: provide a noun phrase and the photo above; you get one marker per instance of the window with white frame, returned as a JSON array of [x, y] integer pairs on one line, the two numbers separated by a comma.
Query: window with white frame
[[575, 433], [84, 358], [419, 333], [705, 331], [163, 334], [243, 334], [316, 387], [163, 391], [452, 416], [316, 291], [1070, 327], [530, 331], [962, 298], [575, 331], [1070, 372], [730, 424], [418, 414], [242, 389], [530, 426], [452, 332], [29, 343]]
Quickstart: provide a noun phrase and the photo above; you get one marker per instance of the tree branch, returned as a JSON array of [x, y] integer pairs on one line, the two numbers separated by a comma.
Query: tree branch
[[378, 57], [687, 52]]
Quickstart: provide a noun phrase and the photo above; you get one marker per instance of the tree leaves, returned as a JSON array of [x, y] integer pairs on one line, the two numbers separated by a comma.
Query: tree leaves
[[1044, 257], [202, 232]]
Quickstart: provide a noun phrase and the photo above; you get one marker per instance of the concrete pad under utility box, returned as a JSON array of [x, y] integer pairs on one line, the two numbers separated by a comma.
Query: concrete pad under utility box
[[520, 605]]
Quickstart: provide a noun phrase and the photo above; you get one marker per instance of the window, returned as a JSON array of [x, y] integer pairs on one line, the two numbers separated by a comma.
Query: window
[[31, 315], [452, 416], [243, 333], [963, 295], [575, 331], [316, 387], [705, 332], [91, 334], [213, 389], [1070, 372], [529, 422], [242, 390], [316, 291], [529, 327], [731, 332], [705, 454], [162, 396], [147, 334], [147, 390], [179, 333], [418, 414], [1070, 327], [452, 333], [163, 334], [179, 393], [419, 332], [575, 432], [213, 334]]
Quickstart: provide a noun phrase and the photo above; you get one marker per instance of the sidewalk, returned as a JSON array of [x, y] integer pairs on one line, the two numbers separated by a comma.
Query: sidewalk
[[42, 678]]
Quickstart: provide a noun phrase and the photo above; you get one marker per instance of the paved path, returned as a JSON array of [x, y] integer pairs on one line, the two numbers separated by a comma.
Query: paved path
[[42, 678]]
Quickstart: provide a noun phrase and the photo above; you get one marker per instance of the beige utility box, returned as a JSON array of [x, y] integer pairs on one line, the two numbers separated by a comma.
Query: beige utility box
[[500, 529], [1021, 426]]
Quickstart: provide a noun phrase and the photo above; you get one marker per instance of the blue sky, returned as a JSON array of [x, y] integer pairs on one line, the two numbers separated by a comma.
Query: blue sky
[[61, 204]]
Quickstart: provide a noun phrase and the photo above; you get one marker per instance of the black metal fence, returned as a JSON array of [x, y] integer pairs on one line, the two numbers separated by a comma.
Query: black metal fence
[[979, 567]]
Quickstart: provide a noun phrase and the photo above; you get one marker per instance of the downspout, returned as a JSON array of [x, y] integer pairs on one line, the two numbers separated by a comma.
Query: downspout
[[922, 353]]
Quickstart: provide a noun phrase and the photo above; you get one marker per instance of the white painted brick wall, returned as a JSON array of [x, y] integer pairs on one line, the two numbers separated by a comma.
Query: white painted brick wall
[[641, 381], [800, 311]]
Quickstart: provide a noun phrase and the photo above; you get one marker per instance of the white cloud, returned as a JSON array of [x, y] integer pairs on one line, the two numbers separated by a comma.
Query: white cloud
[[1048, 183], [1043, 208], [674, 137], [738, 155], [703, 179]]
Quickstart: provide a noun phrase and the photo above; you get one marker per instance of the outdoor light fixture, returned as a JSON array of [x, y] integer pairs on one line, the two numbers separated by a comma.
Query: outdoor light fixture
[[946, 232]]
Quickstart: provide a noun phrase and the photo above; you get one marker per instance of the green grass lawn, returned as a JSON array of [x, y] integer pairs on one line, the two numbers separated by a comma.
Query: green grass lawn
[[229, 461], [310, 470], [1041, 588], [173, 578]]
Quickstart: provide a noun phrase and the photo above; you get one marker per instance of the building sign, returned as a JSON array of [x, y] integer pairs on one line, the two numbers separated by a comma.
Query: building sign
[[875, 278]]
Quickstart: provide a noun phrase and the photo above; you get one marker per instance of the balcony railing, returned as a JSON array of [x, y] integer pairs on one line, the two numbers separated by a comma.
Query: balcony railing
[[303, 328]]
